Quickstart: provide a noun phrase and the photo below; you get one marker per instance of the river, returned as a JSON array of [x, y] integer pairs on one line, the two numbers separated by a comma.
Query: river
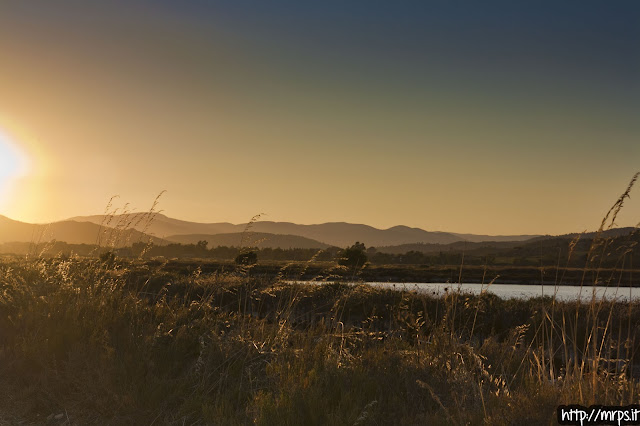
[[512, 291]]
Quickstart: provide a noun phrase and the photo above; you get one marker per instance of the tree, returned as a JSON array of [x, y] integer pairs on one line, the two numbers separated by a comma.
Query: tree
[[201, 248], [353, 257], [413, 257], [246, 258], [108, 258]]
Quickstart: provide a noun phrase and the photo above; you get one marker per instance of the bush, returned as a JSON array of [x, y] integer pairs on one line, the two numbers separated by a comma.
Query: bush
[[353, 257], [247, 258]]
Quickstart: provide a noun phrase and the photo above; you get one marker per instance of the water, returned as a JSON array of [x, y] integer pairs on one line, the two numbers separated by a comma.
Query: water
[[522, 291], [517, 291]]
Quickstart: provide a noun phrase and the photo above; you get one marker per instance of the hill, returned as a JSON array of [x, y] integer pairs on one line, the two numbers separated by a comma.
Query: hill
[[500, 238], [340, 234], [458, 246], [251, 239], [160, 225], [71, 232]]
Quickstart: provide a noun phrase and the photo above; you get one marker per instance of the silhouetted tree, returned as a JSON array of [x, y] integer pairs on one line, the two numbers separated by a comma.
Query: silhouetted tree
[[353, 257], [246, 258], [413, 257], [201, 248], [108, 258]]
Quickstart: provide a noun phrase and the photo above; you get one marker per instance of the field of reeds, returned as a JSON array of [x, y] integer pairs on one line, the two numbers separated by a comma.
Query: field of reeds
[[113, 341]]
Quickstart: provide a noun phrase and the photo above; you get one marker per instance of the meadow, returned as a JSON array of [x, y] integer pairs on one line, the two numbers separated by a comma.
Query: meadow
[[125, 342]]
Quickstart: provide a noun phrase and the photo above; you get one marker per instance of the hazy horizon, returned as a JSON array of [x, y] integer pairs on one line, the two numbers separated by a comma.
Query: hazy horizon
[[265, 218], [497, 118]]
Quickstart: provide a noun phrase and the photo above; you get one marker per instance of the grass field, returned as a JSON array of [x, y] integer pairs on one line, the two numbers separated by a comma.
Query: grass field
[[91, 342]]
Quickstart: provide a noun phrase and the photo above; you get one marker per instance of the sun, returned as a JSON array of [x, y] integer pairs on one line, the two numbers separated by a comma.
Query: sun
[[12, 163]]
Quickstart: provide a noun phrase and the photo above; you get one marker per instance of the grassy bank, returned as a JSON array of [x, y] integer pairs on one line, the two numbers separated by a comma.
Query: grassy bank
[[271, 270], [89, 342]]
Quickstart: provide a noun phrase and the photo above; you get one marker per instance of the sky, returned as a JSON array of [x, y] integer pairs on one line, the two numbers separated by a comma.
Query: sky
[[493, 117]]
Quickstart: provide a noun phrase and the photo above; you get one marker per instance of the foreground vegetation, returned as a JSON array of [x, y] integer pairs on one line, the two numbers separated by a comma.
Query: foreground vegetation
[[115, 342]]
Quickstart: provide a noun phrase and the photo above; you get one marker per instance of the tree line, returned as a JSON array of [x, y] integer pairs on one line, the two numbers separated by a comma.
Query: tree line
[[561, 251]]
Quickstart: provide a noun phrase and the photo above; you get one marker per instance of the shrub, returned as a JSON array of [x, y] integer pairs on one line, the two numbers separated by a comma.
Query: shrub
[[247, 258]]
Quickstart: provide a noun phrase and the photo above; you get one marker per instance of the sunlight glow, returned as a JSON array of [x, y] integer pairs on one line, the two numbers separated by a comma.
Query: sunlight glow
[[12, 164]]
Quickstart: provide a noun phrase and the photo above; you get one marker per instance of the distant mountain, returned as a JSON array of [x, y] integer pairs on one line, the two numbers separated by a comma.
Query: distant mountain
[[620, 239], [458, 246], [251, 239], [160, 225], [339, 234], [344, 234], [481, 238], [615, 232], [69, 231]]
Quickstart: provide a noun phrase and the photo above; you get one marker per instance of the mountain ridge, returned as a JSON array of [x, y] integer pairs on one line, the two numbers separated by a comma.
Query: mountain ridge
[[251, 239], [339, 234], [70, 231], [161, 230]]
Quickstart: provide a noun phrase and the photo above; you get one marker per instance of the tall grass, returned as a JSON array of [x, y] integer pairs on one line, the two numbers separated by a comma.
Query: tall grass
[[90, 341], [127, 345]]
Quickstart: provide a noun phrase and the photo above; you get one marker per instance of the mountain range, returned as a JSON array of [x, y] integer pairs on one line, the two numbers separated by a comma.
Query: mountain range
[[121, 230], [72, 232], [338, 234]]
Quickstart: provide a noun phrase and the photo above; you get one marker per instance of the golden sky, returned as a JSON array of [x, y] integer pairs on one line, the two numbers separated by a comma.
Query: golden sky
[[500, 119]]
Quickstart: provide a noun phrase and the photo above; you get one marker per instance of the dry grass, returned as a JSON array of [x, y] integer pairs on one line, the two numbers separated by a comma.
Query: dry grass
[[121, 342]]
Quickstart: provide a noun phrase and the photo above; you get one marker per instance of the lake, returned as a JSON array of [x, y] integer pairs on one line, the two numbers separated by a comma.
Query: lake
[[513, 291]]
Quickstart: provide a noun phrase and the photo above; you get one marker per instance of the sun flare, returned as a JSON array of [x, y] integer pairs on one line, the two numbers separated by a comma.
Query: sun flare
[[12, 164]]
